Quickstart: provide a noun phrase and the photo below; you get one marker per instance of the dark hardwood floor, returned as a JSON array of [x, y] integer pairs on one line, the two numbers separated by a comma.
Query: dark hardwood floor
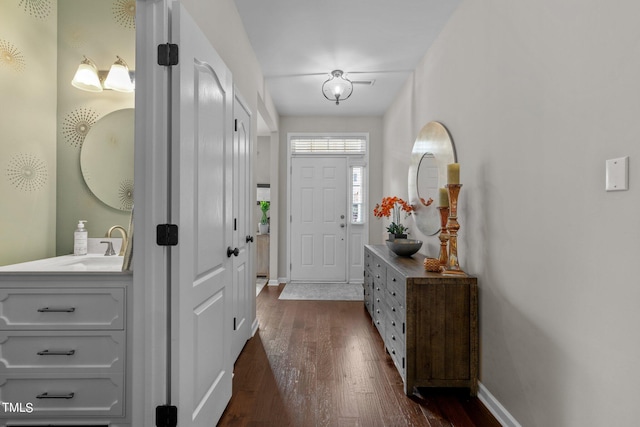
[[322, 363]]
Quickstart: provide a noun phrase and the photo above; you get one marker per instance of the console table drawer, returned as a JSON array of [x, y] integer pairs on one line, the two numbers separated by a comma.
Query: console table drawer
[[61, 351], [62, 308], [54, 397]]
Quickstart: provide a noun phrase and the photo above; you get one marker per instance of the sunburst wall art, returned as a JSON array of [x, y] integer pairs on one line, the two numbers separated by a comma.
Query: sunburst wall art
[[27, 172], [77, 124], [125, 192], [36, 8], [11, 57], [124, 12]]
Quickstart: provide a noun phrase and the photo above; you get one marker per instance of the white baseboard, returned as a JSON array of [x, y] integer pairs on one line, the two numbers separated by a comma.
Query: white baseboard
[[278, 281], [502, 415], [254, 327]]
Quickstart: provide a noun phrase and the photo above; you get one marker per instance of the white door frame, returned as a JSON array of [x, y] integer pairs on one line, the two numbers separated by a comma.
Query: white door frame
[[349, 163], [150, 261]]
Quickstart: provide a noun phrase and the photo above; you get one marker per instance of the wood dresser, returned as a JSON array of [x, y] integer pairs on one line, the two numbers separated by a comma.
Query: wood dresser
[[428, 321]]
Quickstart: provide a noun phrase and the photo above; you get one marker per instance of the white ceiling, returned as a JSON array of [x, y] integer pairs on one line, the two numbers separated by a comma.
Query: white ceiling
[[298, 43]]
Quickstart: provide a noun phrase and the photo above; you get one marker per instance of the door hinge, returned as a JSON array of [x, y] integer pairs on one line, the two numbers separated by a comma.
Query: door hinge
[[235, 125], [167, 234], [167, 54], [166, 416]]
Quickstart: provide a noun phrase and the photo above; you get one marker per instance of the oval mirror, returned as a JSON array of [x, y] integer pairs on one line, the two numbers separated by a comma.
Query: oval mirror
[[432, 151], [106, 159]]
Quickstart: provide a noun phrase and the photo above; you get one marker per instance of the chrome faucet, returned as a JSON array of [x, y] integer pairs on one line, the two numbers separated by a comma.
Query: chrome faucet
[[125, 240], [110, 251]]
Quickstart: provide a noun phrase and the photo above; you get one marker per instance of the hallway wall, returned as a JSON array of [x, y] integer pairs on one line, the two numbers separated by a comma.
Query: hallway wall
[[537, 95]]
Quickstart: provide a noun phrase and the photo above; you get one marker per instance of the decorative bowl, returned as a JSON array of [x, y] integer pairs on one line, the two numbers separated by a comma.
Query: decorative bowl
[[404, 247]]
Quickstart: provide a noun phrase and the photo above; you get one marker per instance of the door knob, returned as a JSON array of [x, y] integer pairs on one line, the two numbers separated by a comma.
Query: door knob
[[249, 239], [341, 225], [230, 252], [341, 216]]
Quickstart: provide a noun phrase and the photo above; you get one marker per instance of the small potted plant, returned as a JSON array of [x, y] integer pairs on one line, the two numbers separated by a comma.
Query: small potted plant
[[391, 207], [263, 226]]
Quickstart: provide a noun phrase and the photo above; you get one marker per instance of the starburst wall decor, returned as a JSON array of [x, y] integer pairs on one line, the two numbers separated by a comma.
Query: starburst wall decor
[[27, 172], [36, 8], [124, 12], [125, 192], [11, 57], [77, 124]]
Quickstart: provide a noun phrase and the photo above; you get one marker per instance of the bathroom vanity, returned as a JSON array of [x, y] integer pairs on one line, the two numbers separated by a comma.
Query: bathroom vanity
[[64, 343]]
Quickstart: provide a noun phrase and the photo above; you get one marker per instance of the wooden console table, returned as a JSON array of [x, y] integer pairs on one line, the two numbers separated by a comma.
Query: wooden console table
[[428, 321]]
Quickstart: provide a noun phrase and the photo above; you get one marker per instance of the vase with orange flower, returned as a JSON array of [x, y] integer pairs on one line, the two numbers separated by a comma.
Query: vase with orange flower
[[392, 207]]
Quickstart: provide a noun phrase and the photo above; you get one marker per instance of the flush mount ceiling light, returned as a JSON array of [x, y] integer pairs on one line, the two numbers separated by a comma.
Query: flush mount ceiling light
[[338, 87], [90, 79]]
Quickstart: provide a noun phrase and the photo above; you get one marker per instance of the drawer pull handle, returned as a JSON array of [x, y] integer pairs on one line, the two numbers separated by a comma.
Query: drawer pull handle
[[56, 353], [393, 323], [393, 337], [393, 293], [394, 279], [56, 310], [393, 309], [393, 351], [378, 265], [55, 396]]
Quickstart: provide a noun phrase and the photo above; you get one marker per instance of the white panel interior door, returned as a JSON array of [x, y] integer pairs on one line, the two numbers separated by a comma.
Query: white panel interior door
[[241, 294], [318, 219], [201, 271]]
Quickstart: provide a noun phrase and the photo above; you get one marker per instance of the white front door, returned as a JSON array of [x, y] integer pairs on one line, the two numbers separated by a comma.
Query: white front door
[[241, 294], [201, 191], [318, 219]]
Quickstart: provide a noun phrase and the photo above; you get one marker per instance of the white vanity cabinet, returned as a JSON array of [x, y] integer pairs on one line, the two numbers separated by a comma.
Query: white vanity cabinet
[[63, 349]]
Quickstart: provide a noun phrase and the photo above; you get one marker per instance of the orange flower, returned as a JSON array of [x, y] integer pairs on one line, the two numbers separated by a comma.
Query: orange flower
[[391, 206]]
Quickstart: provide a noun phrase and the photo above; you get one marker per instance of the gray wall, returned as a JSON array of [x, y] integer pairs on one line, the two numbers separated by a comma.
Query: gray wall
[[289, 124], [537, 95]]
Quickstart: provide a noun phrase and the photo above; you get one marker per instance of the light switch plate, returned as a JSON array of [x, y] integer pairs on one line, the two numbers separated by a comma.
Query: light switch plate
[[617, 174]]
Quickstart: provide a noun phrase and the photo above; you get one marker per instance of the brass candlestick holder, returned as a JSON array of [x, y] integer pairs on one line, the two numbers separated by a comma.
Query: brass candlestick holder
[[444, 235], [453, 267]]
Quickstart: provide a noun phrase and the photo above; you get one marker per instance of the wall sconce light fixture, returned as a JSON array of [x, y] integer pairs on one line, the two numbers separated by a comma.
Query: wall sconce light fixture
[[86, 77], [89, 78], [338, 87]]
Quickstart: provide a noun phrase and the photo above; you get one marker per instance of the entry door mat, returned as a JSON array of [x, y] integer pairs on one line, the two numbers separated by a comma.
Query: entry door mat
[[322, 291]]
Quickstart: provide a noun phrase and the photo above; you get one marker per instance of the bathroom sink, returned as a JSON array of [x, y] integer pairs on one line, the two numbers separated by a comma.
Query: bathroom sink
[[70, 263], [93, 263]]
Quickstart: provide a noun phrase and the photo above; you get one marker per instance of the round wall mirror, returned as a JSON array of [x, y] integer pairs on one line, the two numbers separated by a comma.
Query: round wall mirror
[[432, 152], [106, 159]]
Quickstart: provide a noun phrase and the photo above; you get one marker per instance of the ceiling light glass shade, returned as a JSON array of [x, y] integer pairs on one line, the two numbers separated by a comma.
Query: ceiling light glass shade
[[86, 77], [118, 78], [338, 87]]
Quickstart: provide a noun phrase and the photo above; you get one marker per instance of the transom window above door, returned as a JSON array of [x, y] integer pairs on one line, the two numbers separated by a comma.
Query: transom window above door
[[328, 145]]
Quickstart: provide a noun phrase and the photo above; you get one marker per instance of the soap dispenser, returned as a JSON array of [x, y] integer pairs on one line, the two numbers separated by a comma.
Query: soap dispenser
[[80, 239]]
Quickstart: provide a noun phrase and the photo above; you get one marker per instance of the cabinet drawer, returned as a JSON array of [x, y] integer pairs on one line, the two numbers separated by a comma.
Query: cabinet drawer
[[59, 351], [374, 264], [66, 308], [398, 356], [396, 285], [55, 397]]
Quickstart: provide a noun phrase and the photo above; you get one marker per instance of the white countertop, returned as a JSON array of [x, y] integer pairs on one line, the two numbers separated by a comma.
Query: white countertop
[[69, 263]]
